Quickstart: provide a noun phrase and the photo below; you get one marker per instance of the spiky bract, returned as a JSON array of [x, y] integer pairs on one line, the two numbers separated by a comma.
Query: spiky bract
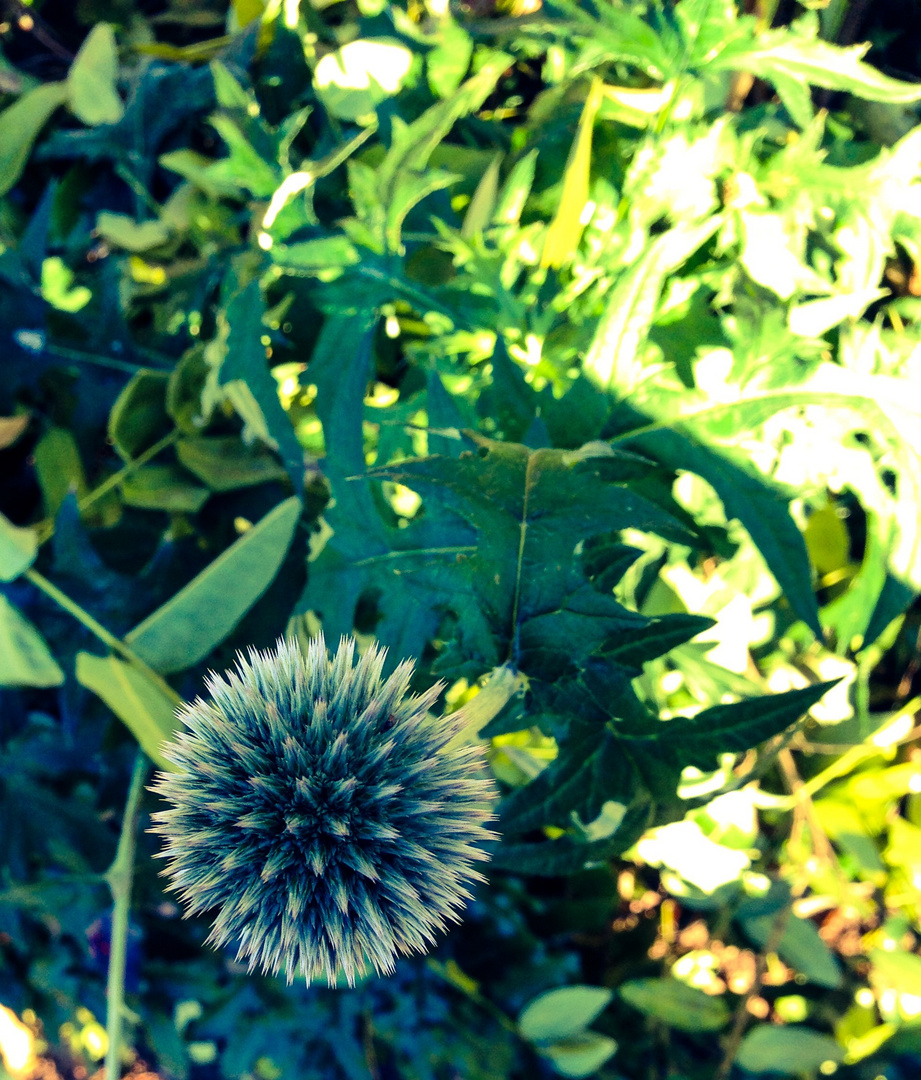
[[321, 811]]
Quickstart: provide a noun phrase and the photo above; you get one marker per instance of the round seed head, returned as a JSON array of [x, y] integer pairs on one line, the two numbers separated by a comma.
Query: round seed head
[[320, 811]]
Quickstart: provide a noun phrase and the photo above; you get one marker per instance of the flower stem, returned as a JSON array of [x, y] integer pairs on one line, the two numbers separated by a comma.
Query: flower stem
[[119, 877]]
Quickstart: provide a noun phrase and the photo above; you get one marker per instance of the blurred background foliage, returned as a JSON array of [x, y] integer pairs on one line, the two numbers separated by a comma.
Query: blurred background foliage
[[661, 264]]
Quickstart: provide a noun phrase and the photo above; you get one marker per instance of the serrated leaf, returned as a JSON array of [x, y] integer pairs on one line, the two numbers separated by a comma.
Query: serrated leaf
[[655, 639], [530, 510], [25, 659], [613, 359], [789, 1051], [134, 697], [559, 1013], [800, 55], [675, 1004], [239, 353], [556, 858], [368, 558], [189, 625], [761, 506], [739, 726]]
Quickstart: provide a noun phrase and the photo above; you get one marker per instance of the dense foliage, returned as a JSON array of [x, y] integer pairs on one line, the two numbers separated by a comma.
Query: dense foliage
[[569, 349]]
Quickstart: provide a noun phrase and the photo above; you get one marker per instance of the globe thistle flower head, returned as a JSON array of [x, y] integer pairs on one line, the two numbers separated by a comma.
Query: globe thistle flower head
[[322, 812]]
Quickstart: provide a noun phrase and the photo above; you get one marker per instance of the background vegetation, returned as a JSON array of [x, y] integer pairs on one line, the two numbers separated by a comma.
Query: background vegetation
[[572, 348]]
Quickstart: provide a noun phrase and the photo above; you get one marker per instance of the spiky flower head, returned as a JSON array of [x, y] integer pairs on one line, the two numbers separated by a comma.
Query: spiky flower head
[[322, 811]]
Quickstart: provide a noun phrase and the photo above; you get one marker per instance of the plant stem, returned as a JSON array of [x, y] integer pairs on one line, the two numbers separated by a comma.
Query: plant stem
[[106, 636], [119, 877], [127, 469]]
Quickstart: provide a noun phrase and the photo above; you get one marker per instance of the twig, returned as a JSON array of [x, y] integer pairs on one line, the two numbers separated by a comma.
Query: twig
[[778, 929], [119, 877]]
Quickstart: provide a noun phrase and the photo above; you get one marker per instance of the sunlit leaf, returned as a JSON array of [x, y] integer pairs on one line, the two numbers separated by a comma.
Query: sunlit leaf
[[189, 625], [93, 78]]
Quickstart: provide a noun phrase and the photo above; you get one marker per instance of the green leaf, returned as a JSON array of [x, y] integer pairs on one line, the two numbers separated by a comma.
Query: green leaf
[[582, 1054], [189, 625], [563, 233], [59, 468], [761, 505], [789, 1051], [413, 144], [139, 418], [613, 361], [163, 487], [739, 726], [124, 232], [369, 560], [21, 124], [134, 697], [798, 54], [816, 317], [324, 253], [225, 463], [900, 971], [58, 287], [244, 166], [655, 639], [560, 1013], [18, 548], [93, 79], [482, 204], [25, 659], [239, 353], [566, 855], [676, 1004], [447, 63], [801, 947], [530, 510], [352, 81]]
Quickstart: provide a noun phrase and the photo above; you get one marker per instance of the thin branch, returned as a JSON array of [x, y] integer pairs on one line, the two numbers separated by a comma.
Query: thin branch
[[119, 878]]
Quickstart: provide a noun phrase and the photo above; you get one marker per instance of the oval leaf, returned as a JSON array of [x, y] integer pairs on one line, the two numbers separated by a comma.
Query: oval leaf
[[582, 1054], [787, 1051], [561, 1013], [676, 1004], [93, 77]]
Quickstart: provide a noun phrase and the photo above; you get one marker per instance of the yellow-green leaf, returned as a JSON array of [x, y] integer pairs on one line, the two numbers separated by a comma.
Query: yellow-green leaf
[[18, 548], [566, 227], [92, 82], [134, 697], [20, 125]]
